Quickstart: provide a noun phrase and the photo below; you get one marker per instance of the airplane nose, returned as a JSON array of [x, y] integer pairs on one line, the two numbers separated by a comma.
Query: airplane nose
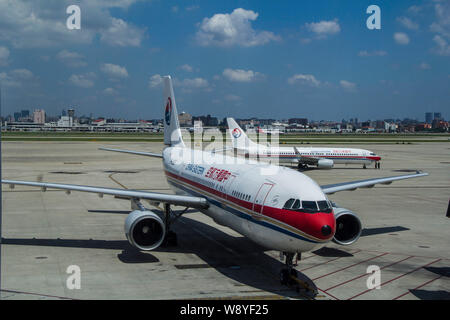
[[326, 230]]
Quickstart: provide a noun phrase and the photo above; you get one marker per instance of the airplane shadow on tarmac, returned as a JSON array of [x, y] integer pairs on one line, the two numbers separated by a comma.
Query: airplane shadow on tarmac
[[237, 258]]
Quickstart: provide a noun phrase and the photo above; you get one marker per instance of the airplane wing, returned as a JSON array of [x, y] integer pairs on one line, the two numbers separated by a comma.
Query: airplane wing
[[139, 153], [368, 183], [186, 201], [306, 160]]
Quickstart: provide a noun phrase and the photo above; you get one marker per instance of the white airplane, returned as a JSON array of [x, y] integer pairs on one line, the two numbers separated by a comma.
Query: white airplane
[[323, 158], [286, 211], [269, 131]]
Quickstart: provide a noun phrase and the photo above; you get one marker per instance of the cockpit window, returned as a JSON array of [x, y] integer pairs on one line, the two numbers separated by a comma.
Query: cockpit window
[[309, 206], [288, 204], [324, 206]]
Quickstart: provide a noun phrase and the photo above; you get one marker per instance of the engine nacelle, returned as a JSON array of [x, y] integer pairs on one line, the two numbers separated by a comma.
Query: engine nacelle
[[348, 226], [325, 164], [145, 230]]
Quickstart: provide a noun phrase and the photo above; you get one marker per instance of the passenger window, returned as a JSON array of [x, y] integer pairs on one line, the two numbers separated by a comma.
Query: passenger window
[[288, 204]]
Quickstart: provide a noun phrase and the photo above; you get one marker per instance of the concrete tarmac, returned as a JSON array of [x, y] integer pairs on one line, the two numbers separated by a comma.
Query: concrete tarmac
[[406, 233]]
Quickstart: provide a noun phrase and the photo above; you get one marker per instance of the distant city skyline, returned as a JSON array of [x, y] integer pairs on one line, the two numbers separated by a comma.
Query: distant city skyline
[[41, 114], [316, 60]]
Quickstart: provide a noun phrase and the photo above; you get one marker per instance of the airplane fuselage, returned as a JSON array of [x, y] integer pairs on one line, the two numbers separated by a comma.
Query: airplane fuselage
[[249, 198], [289, 155]]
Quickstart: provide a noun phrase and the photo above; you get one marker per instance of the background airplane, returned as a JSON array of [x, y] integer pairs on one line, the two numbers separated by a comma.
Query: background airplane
[[321, 157], [269, 131], [277, 207]]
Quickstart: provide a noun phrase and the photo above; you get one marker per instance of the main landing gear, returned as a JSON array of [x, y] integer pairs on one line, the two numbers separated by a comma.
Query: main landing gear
[[289, 276], [169, 217], [302, 166]]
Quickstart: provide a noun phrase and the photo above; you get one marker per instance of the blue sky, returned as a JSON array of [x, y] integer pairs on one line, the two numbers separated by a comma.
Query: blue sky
[[313, 59]]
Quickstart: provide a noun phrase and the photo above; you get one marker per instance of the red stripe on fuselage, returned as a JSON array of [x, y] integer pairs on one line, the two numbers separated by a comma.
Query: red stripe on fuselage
[[305, 222]]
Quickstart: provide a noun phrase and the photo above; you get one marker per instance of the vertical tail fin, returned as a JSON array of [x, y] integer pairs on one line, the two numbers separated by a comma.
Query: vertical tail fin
[[172, 132], [238, 136]]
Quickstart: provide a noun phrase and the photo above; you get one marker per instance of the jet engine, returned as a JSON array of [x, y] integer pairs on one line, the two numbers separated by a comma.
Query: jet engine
[[325, 164], [348, 226], [144, 230]]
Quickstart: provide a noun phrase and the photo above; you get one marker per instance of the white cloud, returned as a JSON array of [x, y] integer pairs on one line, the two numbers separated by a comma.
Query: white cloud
[[366, 53], [8, 81], [308, 79], [347, 85], [109, 91], [193, 7], [442, 27], [442, 23], [232, 98], [155, 81], [414, 10], [442, 46], [401, 38], [187, 85], [408, 23], [122, 34], [23, 74], [72, 59], [193, 83], [4, 55], [82, 80], [42, 23], [324, 28], [114, 70], [424, 66], [234, 29], [16, 78], [239, 75], [187, 68]]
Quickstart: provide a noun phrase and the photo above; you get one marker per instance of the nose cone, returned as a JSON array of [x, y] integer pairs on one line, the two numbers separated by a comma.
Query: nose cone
[[326, 230], [321, 225]]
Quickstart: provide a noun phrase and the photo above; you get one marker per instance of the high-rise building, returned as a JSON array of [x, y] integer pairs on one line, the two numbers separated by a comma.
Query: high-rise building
[[437, 116], [25, 113], [185, 119], [428, 117], [39, 116]]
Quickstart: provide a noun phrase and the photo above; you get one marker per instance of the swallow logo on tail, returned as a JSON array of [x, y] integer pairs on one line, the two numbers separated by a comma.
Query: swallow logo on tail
[[236, 133], [168, 112]]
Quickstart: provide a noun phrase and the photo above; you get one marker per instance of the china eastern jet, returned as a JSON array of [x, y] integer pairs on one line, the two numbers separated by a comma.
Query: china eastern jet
[[277, 207], [322, 158]]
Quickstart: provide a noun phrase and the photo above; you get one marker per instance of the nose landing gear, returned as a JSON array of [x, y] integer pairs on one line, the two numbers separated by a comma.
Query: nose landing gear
[[289, 276]]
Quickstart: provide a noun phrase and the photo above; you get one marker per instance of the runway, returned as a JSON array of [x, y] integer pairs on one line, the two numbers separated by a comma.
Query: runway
[[406, 233]]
